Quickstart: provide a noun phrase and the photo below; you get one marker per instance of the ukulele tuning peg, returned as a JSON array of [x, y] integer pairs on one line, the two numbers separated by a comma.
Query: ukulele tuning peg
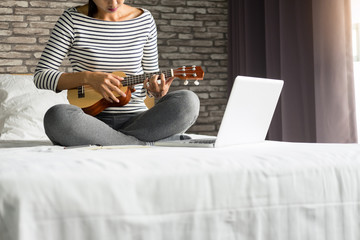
[[186, 82], [193, 67], [196, 83]]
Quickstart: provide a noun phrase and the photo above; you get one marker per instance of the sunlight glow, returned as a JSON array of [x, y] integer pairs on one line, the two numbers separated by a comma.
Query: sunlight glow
[[355, 13]]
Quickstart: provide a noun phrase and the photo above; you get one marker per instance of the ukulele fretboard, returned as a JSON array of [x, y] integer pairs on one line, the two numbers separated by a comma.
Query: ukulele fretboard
[[136, 79]]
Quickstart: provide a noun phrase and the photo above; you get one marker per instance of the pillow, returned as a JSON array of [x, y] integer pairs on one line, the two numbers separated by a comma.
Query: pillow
[[23, 106]]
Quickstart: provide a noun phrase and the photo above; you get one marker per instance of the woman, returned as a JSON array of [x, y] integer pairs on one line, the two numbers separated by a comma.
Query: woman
[[99, 38]]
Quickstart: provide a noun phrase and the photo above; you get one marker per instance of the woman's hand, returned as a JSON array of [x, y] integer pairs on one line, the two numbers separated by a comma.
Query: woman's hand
[[106, 84], [156, 89]]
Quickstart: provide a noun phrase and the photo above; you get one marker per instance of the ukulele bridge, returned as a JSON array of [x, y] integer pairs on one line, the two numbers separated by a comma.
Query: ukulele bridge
[[81, 92]]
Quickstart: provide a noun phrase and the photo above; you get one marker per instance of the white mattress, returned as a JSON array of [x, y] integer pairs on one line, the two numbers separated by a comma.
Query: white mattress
[[269, 191]]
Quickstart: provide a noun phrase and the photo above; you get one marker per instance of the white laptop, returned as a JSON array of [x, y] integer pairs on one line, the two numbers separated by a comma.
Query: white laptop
[[247, 116]]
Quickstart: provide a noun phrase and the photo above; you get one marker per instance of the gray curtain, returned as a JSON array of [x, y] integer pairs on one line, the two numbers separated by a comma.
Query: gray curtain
[[307, 43]]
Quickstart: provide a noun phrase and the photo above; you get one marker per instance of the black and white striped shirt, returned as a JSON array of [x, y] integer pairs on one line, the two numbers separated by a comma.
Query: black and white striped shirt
[[96, 45]]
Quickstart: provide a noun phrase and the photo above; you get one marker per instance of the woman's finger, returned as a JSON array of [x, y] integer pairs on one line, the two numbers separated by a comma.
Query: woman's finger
[[111, 96], [114, 86], [169, 81], [162, 83], [146, 83], [153, 80], [118, 77], [107, 91], [106, 97]]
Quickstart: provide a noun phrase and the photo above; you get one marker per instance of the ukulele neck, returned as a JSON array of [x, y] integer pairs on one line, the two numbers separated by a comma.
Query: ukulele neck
[[136, 79]]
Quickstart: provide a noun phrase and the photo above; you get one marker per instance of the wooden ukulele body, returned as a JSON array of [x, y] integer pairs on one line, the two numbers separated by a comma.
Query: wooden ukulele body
[[92, 102]]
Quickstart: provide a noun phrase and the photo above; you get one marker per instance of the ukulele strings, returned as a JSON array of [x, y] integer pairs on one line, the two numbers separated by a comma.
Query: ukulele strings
[[136, 79], [128, 81]]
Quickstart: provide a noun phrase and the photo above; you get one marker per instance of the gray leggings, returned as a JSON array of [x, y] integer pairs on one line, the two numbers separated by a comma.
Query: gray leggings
[[68, 125]]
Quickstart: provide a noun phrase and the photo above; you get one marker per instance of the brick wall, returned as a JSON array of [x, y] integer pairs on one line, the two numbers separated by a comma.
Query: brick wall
[[190, 32]]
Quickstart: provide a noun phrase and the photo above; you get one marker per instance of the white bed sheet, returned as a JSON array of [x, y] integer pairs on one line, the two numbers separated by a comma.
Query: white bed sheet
[[270, 190]]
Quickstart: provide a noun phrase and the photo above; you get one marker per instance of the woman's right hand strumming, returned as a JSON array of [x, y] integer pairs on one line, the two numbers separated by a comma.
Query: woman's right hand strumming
[[104, 83]]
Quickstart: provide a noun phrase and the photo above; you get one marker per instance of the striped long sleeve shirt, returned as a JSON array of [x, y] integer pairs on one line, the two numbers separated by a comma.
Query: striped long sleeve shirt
[[96, 45]]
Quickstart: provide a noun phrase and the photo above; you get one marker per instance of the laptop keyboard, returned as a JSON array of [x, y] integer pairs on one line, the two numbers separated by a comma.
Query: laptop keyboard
[[203, 141]]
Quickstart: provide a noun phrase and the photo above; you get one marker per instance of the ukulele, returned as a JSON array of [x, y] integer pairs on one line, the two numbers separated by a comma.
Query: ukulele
[[92, 102]]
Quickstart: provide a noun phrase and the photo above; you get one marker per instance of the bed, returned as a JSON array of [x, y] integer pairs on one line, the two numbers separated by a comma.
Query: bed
[[269, 190]]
